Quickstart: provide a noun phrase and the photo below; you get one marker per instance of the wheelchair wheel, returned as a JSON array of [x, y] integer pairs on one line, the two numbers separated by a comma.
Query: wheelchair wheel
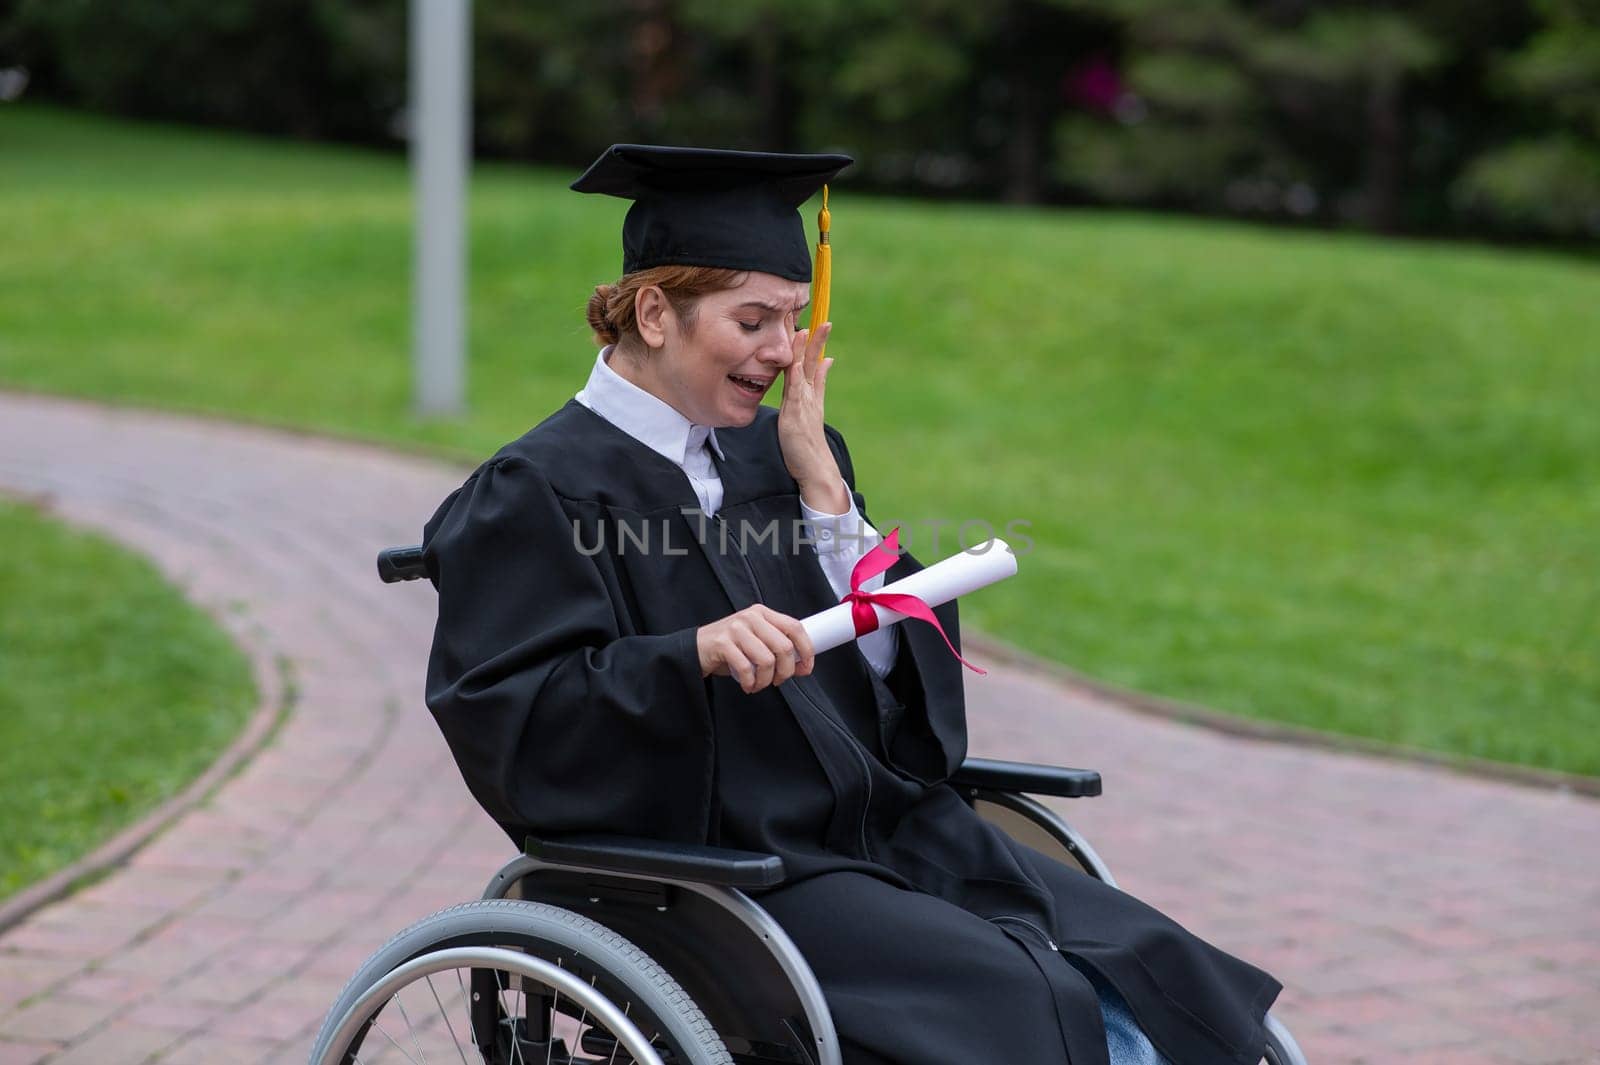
[[1281, 1047], [506, 982]]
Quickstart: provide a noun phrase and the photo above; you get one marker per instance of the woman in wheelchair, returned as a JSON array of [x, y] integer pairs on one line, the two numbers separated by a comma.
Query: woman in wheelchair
[[617, 651]]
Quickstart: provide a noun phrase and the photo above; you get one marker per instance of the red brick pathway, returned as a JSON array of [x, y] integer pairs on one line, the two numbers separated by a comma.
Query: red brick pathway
[[1415, 915]]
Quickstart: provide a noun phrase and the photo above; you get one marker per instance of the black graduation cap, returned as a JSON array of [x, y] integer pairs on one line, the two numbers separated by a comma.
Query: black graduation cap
[[712, 207]]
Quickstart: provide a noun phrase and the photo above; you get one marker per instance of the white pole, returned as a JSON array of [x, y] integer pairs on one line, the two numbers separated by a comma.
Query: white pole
[[440, 148]]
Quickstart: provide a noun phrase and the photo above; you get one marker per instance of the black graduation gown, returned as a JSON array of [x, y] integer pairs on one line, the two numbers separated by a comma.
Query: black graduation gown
[[573, 569]]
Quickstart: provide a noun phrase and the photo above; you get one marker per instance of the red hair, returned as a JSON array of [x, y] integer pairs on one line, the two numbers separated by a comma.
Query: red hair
[[611, 313]]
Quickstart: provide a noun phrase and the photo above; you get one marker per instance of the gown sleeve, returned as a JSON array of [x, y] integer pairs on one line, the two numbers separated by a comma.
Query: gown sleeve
[[840, 540], [558, 721], [926, 734]]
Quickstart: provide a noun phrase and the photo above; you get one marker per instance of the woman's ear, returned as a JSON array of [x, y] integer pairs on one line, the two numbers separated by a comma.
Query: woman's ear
[[651, 312]]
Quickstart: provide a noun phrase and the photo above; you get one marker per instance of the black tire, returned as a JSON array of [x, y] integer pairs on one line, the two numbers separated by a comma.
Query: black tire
[[617, 968]]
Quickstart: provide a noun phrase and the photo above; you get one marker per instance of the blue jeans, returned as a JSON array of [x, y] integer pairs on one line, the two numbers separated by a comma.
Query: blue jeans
[[1126, 1042]]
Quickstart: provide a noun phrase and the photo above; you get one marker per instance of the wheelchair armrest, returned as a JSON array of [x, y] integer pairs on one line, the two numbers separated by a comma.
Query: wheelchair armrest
[[670, 861], [396, 564], [1030, 779]]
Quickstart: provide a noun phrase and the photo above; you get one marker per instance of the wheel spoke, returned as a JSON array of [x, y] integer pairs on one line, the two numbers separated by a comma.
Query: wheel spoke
[[410, 1030], [511, 1018], [397, 1046], [577, 1036], [443, 1013], [466, 1004], [550, 1025], [616, 1044]]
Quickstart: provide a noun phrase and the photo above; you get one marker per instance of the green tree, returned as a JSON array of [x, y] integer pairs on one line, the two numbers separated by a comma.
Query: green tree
[[1247, 107], [1411, 115], [1358, 62], [1188, 123], [311, 69], [1547, 180]]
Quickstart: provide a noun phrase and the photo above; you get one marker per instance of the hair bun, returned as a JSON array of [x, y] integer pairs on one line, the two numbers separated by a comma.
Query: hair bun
[[611, 308], [605, 330]]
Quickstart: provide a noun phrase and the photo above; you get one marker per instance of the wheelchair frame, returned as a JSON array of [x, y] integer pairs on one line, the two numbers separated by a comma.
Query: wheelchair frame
[[670, 899], [629, 884]]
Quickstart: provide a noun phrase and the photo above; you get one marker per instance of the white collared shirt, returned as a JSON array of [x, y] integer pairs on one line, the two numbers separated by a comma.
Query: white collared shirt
[[840, 539]]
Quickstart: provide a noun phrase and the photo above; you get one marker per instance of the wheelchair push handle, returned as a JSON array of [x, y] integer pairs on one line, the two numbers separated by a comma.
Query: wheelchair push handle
[[396, 564]]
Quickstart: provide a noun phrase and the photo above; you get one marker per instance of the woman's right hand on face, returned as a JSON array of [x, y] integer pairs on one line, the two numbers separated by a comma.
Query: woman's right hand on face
[[756, 646]]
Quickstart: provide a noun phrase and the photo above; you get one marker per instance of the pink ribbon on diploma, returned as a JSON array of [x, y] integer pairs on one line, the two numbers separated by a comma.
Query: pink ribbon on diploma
[[874, 562]]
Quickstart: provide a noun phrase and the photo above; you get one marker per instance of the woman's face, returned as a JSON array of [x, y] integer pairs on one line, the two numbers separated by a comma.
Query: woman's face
[[716, 369]]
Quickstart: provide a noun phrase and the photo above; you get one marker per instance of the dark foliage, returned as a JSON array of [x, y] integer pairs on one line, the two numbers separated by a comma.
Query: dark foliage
[[1423, 115]]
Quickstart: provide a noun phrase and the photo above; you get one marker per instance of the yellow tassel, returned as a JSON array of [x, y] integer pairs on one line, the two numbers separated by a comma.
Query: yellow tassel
[[822, 278]]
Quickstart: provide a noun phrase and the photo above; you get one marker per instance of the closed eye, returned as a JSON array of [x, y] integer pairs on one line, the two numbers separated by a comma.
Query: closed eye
[[750, 327]]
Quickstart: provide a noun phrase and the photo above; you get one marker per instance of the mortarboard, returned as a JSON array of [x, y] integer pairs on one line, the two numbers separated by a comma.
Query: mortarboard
[[711, 207]]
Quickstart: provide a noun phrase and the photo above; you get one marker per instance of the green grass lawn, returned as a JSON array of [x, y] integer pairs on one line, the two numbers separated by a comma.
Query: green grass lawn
[[1325, 479], [114, 693]]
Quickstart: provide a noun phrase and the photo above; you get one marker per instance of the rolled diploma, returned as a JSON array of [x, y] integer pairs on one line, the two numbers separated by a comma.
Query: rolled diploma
[[941, 582]]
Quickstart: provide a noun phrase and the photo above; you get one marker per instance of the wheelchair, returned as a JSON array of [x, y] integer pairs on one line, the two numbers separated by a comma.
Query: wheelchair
[[621, 950]]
